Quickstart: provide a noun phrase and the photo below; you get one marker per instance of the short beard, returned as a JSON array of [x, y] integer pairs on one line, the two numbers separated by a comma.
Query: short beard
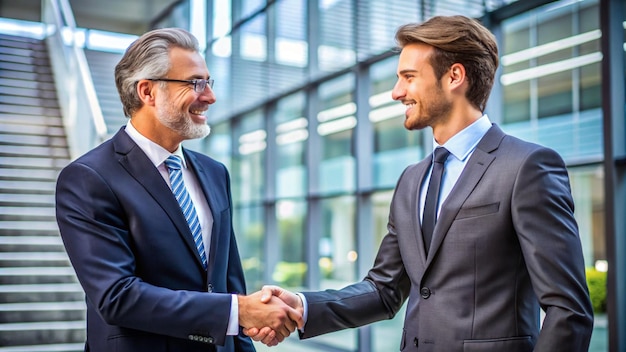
[[181, 123]]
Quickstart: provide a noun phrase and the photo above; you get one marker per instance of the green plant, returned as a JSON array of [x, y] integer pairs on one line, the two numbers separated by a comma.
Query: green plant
[[596, 281]]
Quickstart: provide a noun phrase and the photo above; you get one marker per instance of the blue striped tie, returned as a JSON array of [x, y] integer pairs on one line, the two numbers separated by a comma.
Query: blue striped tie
[[174, 165]]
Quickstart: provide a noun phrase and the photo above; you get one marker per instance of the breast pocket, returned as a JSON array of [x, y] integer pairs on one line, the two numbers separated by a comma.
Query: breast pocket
[[509, 344], [481, 210]]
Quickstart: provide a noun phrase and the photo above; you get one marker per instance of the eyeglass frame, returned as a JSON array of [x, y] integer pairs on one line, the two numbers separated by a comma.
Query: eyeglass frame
[[196, 82]]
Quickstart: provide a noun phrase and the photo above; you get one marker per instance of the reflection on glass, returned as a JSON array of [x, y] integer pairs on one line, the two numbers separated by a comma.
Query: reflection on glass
[[336, 123], [337, 246], [291, 267], [551, 78], [248, 162], [588, 192], [394, 147], [250, 230], [219, 144], [291, 136], [337, 258], [385, 332], [336, 35]]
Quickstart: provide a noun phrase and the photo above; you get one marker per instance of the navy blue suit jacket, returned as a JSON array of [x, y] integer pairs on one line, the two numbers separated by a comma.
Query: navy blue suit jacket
[[133, 253]]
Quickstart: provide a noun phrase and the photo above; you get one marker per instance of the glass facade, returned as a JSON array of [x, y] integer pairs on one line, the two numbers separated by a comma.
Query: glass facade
[[307, 101], [314, 143]]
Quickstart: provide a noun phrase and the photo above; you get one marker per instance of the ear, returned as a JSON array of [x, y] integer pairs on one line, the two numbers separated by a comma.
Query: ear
[[145, 91], [457, 75]]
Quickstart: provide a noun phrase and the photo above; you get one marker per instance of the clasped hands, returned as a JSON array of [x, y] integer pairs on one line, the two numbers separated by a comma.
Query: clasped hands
[[270, 315]]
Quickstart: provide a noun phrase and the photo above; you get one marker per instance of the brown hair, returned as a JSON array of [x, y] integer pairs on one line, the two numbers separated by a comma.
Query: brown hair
[[458, 39]]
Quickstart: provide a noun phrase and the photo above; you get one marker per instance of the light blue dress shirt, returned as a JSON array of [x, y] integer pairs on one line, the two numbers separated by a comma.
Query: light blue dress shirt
[[461, 147]]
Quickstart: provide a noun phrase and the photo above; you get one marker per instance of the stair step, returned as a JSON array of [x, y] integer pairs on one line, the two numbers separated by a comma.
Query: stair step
[[22, 119], [28, 151], [28, 101], [28, 60], [30, 187], [64, 347], [17, 334], [29, 259], [27, 215], [28, 226], [41, 311], [33, 85], [30, 110], [41, 293], [42, 163], [29, 174], [8, 67], [25, 72], [15, 41], [32, 130], [28, 92], [44, 240], [33, 275], [38, 140], [14, 199]]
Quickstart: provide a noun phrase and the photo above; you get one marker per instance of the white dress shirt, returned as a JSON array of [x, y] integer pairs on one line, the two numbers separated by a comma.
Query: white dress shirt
[[157, 156]]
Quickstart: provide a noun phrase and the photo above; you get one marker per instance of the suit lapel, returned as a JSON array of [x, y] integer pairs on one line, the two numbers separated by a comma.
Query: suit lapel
[[415, 185], [473, 172], [138, 165]]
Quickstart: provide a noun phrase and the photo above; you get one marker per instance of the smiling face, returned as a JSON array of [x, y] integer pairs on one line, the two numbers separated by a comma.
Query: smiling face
[[177, 106], [426, 101]]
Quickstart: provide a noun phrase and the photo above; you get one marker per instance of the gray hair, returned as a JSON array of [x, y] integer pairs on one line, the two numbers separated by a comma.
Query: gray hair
[[148, 57]]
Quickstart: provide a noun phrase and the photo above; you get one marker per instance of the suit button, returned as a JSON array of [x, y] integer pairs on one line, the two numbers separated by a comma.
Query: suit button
[[210, 340], [210, 289], [425, 292], [415, 341]]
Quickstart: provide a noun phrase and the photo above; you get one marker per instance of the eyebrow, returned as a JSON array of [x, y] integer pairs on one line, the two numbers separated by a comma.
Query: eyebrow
[[405, 71]]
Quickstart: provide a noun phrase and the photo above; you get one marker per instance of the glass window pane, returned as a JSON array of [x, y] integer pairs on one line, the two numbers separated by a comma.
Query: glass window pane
[[250, 229], [219, 144], [337, 258], [555, 98], [336, 123], [394, 147], [336, 35], [248, 161], [291, 137], [291, 265]]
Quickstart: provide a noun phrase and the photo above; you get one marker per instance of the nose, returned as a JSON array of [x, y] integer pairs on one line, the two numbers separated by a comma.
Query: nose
[[398, 91], [208, 95]]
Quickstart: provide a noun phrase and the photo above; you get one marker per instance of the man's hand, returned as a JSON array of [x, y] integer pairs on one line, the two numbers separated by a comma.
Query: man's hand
[[266, 335], [270, 312]]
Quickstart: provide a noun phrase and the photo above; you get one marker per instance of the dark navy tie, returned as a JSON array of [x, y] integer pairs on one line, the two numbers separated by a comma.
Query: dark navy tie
[[432, 196]]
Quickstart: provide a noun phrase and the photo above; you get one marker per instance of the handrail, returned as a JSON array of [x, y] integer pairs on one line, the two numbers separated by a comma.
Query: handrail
[[82, 115]]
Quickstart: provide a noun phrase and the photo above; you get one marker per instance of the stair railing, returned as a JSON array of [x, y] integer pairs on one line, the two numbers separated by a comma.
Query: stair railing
[[82, 115]]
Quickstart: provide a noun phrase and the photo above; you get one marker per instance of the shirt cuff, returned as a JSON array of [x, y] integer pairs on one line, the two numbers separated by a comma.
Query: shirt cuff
[[305, 313], [233, 320]]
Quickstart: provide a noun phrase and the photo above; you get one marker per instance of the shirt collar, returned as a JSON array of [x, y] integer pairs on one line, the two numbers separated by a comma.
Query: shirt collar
[[153, 151], [462, 144]]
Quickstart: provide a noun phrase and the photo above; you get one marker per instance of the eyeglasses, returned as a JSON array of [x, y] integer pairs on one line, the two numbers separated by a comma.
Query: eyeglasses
[[198, 84]]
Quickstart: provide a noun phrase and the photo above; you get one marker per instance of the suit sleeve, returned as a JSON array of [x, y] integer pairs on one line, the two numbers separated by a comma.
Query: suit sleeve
[[378, 297], [96, 234], [543, 216]]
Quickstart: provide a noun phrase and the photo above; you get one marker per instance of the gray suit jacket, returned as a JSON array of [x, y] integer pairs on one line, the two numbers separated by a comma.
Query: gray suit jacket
[[506, 243]]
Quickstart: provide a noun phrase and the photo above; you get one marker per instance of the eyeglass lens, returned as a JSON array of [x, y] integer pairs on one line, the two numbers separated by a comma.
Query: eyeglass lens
[[200, 84]]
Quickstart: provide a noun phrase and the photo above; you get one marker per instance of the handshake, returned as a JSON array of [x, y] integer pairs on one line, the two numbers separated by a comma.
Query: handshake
[[270, 315]]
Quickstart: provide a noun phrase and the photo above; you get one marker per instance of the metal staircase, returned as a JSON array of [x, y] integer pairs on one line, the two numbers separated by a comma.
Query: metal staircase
[[102, 68], [41, 304]]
